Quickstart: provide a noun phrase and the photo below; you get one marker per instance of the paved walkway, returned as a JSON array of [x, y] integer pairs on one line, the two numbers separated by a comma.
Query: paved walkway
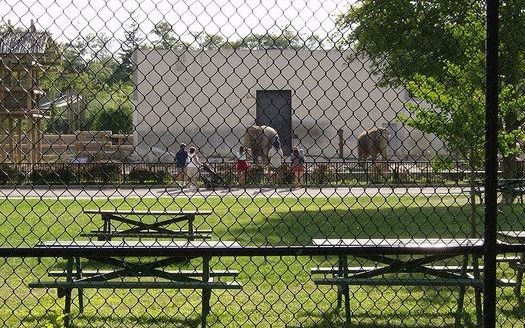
[[80, 192]]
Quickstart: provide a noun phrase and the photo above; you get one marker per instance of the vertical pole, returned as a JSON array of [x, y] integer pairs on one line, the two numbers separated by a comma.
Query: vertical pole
[[491, 163], [3, 133], [18, 140], [341, 143], [39, 133], [32, 139], [206, 290], [3, 126], [11, 139]]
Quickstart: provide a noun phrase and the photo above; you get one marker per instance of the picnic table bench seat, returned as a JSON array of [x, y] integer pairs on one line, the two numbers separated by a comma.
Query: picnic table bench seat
[[357, 269], [102, 235], [189, 273]]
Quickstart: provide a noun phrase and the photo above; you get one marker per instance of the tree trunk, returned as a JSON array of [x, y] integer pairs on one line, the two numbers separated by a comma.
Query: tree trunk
[[509, 165], [473, 204]]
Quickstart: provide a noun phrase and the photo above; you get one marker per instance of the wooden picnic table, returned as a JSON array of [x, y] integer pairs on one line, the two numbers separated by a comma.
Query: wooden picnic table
[[123, 274], [137, 227], [409, 262], [516, 262]]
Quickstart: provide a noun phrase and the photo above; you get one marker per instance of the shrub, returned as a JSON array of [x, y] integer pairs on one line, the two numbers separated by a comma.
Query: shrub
[[103, 173], [117, 119], [39, 177], [379, 172], [10, 175], [285, 174], [441, 163], [143, 176], [322, 174], [255, 174], [64, 175], [228, 173], [52, 176]]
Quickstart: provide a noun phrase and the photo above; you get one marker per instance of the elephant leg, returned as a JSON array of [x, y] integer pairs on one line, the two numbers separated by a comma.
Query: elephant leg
[[384, 154]]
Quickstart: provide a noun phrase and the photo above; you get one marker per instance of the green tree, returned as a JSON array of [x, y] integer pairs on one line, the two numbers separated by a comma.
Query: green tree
[[111, 109], [165, 37], [208, 41], [133, 40], [407, 40], [287, 38], [457, 105], [452, 107]]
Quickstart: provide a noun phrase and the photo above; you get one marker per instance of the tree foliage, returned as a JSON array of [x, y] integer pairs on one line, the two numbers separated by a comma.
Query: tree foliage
[[435, 49], [164, 37], [287, 38]]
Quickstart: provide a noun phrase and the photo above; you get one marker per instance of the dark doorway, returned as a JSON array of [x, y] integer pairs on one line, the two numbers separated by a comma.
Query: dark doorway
[[274, 108]]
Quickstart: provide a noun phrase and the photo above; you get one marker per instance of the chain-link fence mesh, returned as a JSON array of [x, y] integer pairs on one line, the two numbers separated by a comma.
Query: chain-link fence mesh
[[257, 164]]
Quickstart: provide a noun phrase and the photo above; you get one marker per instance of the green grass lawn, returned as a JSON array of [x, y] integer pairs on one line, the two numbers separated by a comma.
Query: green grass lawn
[[277, 291]]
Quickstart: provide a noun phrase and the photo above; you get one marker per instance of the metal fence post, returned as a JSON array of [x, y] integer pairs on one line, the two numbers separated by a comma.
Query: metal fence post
[[491, 163]]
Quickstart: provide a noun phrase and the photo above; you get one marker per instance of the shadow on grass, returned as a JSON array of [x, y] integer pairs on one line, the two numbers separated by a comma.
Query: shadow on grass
[[335, 318], [435, 303], [162, 320], [517, 306], [300, 226]]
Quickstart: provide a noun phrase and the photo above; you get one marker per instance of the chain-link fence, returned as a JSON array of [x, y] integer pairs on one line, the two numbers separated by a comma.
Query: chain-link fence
[[261, 163]]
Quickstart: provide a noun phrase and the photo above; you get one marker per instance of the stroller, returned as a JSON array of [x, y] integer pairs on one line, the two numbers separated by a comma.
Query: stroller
[[211, 178]]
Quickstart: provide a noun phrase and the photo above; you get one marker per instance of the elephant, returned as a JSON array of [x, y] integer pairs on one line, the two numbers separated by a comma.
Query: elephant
[[372, 143], [259, 139]]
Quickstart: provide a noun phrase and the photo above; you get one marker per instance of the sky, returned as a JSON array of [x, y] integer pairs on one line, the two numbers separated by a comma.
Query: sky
[[67, 19]]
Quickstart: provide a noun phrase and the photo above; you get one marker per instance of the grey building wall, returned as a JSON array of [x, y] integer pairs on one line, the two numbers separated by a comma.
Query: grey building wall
[[207, 99]]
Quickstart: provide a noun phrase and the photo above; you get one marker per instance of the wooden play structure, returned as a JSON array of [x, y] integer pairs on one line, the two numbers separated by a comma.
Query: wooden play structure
[[24, 56]]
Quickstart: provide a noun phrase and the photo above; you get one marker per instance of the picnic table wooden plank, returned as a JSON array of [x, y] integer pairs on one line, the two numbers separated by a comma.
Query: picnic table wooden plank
[[358, 269], [177, 234], [190, 273], [435, 282], [432, 243], [148, 212], [512, 236], [138, 244]]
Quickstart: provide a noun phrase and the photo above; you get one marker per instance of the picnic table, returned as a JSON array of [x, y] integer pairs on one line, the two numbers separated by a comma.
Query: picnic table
[[516, 186], [124, 274], [406, 262], [137, 227], [516, 262]]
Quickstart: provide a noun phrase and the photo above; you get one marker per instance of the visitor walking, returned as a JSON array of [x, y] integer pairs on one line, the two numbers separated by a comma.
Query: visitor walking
[[181, 158], [193, 168]]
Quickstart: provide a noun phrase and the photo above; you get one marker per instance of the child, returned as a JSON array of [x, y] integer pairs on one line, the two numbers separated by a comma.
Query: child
[[242, 165], [298, 165]]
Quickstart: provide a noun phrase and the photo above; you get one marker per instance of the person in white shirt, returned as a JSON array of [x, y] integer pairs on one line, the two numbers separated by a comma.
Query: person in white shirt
[[193, 167], [276, 157]]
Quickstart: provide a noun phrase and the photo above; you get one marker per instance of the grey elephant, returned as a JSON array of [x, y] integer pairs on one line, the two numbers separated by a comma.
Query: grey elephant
[[259, 139], [372, 143]]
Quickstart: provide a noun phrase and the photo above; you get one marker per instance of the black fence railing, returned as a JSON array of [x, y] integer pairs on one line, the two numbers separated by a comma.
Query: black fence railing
[[225, 175]]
